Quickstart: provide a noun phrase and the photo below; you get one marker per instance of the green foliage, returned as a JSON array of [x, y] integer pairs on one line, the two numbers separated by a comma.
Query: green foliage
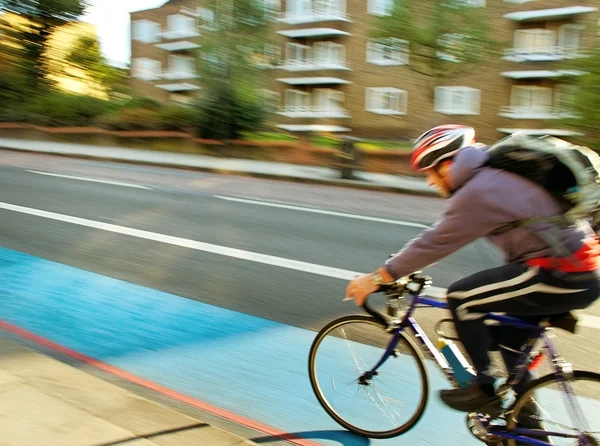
[[448, 28], [44, 17], [231, 46], [131, 118], [85, 54], [227, 114], [146, 114], [175, 117], [585, 102]]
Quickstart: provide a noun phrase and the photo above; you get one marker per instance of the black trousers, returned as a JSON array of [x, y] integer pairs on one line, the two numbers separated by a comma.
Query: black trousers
[[515, 289]]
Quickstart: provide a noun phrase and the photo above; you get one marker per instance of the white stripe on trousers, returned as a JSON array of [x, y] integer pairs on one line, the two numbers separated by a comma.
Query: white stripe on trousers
[[529, 274], [462, 311]]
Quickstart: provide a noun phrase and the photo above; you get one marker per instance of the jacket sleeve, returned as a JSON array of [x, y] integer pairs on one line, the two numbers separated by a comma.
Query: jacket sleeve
[[465, 220]]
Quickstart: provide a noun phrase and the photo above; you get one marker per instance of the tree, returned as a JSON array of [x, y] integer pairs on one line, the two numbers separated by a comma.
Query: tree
[[444, 38], [236, 33], [86, 56], [583, 113], [43, 17]]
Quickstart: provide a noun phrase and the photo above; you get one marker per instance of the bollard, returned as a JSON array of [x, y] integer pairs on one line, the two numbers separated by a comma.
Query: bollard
[[348, 157]]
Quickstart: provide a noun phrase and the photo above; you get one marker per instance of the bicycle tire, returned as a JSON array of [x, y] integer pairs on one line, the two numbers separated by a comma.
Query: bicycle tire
[[405, 346], [592, 398]]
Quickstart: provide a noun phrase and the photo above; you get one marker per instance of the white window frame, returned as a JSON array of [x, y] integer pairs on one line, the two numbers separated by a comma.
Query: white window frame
[[292, 50], [146, 69], [469, 3], [179, 26], [145, 31], [328, 100], [388, 51], [386, 100], [564, 97], [329, 53], [380, 7], [531, 99], [291, 105], [563, 35], [180, 67], [457, 100], [534, 41]]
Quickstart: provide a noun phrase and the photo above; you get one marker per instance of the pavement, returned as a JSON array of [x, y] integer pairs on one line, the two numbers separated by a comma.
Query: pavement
[[264, 169], [47, 400]]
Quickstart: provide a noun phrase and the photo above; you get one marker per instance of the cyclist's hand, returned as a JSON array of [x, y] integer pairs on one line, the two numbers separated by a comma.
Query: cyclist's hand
[[360, 287]]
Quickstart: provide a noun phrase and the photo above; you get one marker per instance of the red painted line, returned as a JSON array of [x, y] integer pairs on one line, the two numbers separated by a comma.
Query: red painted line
[[294, 439]]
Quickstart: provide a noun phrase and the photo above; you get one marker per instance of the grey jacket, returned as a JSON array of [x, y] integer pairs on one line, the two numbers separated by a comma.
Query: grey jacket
[[484, 200]]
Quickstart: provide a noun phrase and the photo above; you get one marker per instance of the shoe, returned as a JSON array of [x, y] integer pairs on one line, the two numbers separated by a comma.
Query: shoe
[[472, 399]]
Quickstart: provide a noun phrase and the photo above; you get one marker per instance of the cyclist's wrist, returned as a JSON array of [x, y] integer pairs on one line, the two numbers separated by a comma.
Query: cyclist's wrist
[[382, 275]]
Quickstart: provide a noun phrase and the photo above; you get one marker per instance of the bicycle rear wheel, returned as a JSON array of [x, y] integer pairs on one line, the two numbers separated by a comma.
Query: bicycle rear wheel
[[389, 403], [569, 408]]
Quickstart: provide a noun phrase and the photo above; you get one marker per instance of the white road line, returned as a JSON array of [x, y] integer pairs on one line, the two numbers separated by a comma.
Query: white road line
[[312, 268], [321, 211], [115, 183]]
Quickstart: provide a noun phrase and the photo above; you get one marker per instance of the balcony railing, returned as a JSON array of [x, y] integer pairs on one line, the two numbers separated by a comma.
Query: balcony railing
[[313, 65], [535, 112], [180, 34], [295, 18], [312, 111], [541, 54], [169, 74]]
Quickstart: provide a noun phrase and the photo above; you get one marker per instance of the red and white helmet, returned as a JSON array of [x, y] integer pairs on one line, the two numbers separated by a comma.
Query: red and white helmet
[[440, 143]]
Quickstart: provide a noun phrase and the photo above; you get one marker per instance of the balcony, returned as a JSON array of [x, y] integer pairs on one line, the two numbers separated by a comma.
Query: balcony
[[540, 54], [312, 111], [182, 45], [313, 128], [308, 33], [180, 34], [541, 74], [185, 86], [313, 65], [179, 75], [534, 112], [313, 81], [298, 18], [548, 14]]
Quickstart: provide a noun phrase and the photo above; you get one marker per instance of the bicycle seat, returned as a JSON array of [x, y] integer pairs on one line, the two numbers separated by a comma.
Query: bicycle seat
[[565, 321]]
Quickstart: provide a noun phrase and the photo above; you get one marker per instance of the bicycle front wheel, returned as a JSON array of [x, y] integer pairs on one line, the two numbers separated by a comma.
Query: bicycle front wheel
[[567, 409], [386, 405]]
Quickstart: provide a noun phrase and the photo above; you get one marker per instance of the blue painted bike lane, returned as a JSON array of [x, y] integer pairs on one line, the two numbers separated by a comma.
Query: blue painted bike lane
[[250, 366]]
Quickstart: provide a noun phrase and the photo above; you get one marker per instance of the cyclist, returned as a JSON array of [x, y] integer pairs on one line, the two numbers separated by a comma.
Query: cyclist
[[530, 285]]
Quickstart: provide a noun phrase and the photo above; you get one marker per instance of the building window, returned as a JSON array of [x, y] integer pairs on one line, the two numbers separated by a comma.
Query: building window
[[380, 7], [564, 98], [457, 48], [296, 54], [328, 100], [145, 31], [146, 69], [180, 67], [568, 37], [386, 101], [387, 51], [457, 100], [297, 101], [315, 7], [181, 26], [329, 53], [531, 99], [535, 41]]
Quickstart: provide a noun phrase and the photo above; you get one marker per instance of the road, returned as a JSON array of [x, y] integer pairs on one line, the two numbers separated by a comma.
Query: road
[[272, 256]]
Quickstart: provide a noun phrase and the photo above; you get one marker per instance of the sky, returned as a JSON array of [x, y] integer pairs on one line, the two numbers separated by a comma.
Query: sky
[[111, 18]]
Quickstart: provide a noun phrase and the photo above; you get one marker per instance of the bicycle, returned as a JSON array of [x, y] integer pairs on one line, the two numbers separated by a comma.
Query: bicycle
[[377, 343]]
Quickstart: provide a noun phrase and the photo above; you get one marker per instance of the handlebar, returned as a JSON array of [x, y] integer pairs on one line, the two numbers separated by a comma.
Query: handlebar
[[412, 284]]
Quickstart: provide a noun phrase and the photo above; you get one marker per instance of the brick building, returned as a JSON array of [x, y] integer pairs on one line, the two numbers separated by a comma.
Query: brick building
[[331, 76]]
